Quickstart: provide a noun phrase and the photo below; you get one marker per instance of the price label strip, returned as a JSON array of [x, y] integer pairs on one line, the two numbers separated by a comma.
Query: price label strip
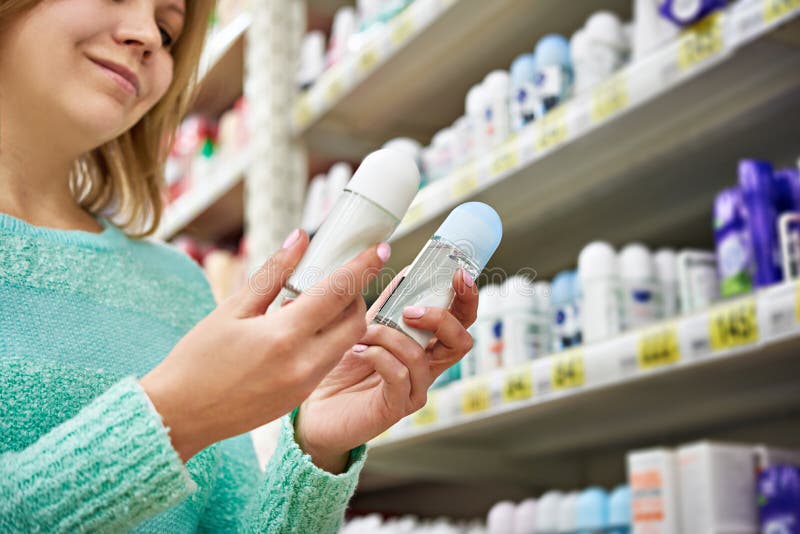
[[518, 385], [302, 112], [552, 128], [568, 371], [658, 348], [776, 9], [427, 415], [475, 398], [733, 325], [505, 159], [333, 90], [700, 42], [610, 98]]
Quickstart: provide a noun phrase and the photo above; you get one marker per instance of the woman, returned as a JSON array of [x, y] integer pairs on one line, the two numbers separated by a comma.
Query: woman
[[124, 394]]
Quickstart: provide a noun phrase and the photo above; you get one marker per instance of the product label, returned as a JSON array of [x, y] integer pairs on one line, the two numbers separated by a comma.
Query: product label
[[552, 84], [733, 325], [700, 42], [640, 305], [658, 348], [567, 371], [775, 9], [734, 259], [610, 97], [524, 105], [518, 385], [475, 397], [647, 497]]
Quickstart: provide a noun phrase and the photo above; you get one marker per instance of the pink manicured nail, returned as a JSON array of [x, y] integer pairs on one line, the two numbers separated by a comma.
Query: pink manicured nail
[[467, 278], [292, 238], [359, 347], [384, 251], [413, 312]]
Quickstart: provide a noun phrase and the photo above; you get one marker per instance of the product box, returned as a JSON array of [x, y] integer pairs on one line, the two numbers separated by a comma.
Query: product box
[[717, 487], [652, 475], [767, 456]]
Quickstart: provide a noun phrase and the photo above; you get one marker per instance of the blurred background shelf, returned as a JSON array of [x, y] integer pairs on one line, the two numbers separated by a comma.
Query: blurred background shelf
[[578, 436], [647, 172]]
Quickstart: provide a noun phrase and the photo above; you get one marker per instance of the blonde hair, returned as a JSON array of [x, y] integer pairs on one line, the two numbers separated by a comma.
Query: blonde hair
[[124, 178]]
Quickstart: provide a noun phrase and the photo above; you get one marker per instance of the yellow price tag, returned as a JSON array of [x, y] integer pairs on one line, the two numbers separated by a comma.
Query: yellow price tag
[[414, 214], [302, 112], [427, 414], [658, 347], [552, 128], [734, 325], [475, 398], [334, 90], [518, 385], [700, 42], [775, 9], [609, 98], [505, 159], [403, 29], [367, 60], [464, 184], [567, 371]]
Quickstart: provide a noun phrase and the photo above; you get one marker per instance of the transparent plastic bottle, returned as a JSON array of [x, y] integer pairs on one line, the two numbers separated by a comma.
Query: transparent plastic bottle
[[367, 212], [466, 240]]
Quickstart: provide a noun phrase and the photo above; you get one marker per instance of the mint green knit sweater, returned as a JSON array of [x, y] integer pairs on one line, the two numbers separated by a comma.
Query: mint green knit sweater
[[82, 315]]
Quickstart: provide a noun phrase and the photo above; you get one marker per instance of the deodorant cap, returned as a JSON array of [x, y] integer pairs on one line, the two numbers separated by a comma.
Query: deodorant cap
[[567, 510], [523, 69], [666, 263], [476, 100], [518, 294], [543, 296], [496, 84], [475, 228], [592, 510], [635, 262], [552, 49], [579, 45], [338, 177], [388, 178], [619, 507], [525, 517], [409, 146], [442, 137], [597, 260], [547, 511], [489, 300], [500, 519], [312, 57], [754, 175], [605, 27]]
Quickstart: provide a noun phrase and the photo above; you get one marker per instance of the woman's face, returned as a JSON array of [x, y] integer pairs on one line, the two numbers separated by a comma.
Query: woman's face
[[92, 67]]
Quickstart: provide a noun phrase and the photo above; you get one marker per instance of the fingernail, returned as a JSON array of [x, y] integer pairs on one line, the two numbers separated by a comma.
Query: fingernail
[[292, 238], [359, 347], [384, 251], [413, 312], [467, 278]]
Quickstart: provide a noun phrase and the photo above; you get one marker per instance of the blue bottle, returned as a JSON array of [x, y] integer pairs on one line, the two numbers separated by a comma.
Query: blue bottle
[[524, 103], [554, 74], [734, 250], [592, 511], [619, 510], [758, 193], [566, 319]]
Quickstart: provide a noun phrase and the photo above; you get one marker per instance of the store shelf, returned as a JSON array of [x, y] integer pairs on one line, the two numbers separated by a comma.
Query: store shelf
[[221, 71], [213, 208], [411, 79], [686, 378], [640, 157]]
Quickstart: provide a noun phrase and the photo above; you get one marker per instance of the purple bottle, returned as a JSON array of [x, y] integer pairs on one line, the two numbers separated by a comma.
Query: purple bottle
[[778, 499], [787, 190], [733, 246], [758, 193]]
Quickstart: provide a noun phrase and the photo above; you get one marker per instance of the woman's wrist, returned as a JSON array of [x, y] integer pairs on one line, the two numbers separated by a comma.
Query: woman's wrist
[[330, 460]]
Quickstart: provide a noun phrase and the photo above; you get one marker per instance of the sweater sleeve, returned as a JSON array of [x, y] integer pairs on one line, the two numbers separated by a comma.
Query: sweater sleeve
[[296, 495], [108, 468]]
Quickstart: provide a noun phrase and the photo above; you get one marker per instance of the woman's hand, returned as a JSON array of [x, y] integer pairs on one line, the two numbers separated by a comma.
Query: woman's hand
[[239, 368], [384, 377]]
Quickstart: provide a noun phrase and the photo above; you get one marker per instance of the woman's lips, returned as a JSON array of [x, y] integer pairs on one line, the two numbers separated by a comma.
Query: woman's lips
[[122, 81]]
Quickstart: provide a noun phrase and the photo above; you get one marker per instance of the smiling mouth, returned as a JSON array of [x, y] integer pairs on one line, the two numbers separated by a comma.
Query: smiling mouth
[[123, 82]]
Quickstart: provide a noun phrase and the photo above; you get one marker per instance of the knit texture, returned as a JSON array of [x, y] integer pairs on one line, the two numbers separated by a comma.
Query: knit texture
[[82, 315]]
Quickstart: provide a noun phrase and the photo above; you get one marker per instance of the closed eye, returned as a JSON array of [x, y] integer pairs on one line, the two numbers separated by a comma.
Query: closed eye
[[166, 38]]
